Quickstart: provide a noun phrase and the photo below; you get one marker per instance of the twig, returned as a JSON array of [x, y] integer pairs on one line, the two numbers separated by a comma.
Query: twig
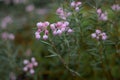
[[64, 63]]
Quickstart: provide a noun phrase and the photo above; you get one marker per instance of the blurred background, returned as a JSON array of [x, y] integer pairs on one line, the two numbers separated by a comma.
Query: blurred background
[[18, 20]]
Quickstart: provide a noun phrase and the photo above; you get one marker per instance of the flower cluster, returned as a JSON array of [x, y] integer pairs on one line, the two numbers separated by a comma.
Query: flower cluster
[[115, 7], [30, 65], [5, 21], [42, 28], [76, 5], [57, 29], [62, 14], [102, 15], [30, 8], [99, 35], [7, 36], [60, 27]]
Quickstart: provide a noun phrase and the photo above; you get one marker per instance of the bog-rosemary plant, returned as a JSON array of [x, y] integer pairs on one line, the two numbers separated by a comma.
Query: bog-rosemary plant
[[84, 38]]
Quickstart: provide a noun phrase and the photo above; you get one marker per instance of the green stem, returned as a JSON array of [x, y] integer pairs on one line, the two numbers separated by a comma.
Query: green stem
[[117, 36], [107, 73], [9, 54], [74, 73], [109, 69]]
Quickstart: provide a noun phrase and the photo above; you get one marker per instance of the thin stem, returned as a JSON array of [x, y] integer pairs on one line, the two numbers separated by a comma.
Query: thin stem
[[107, 73], [109, 69], [64, 63], [117, 36], [9, 54]]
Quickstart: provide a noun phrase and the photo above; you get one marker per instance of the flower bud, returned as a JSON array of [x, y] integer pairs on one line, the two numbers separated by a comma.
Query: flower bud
[[93, 35], [32, 71], [25, 69], [45, 37], [59, 32], [39, 24], [70, 30], [37, 36], [25, 62]]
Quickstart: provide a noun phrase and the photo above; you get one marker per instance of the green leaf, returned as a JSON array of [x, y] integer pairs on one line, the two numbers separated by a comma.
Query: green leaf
[[51, 51], [54, 55], [46, 43]]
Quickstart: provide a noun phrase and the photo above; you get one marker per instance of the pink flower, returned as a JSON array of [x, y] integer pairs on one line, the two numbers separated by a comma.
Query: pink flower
[[35, 64], [39, 24], [11, 36], [7, 36], [45, 37], [37, 36], [77, 8], [73, 4], [63, 29], [37, 33], [4, 35], [104, 37], [46, 32], [59, 32], [102, 15], [30, 8], [99, 35], [93, 35], [5, 21], [52, 26], [32, 71], [62, 14], [66, 23], [70, 30], [54, 32], [116, 7], [42, 27], [25, 69], [59, 10], [98, 31], [29, 65], [99, 11], [60, 27], [76, 5], [57, 29], [33, 59], [46, 23], [25, 61]]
